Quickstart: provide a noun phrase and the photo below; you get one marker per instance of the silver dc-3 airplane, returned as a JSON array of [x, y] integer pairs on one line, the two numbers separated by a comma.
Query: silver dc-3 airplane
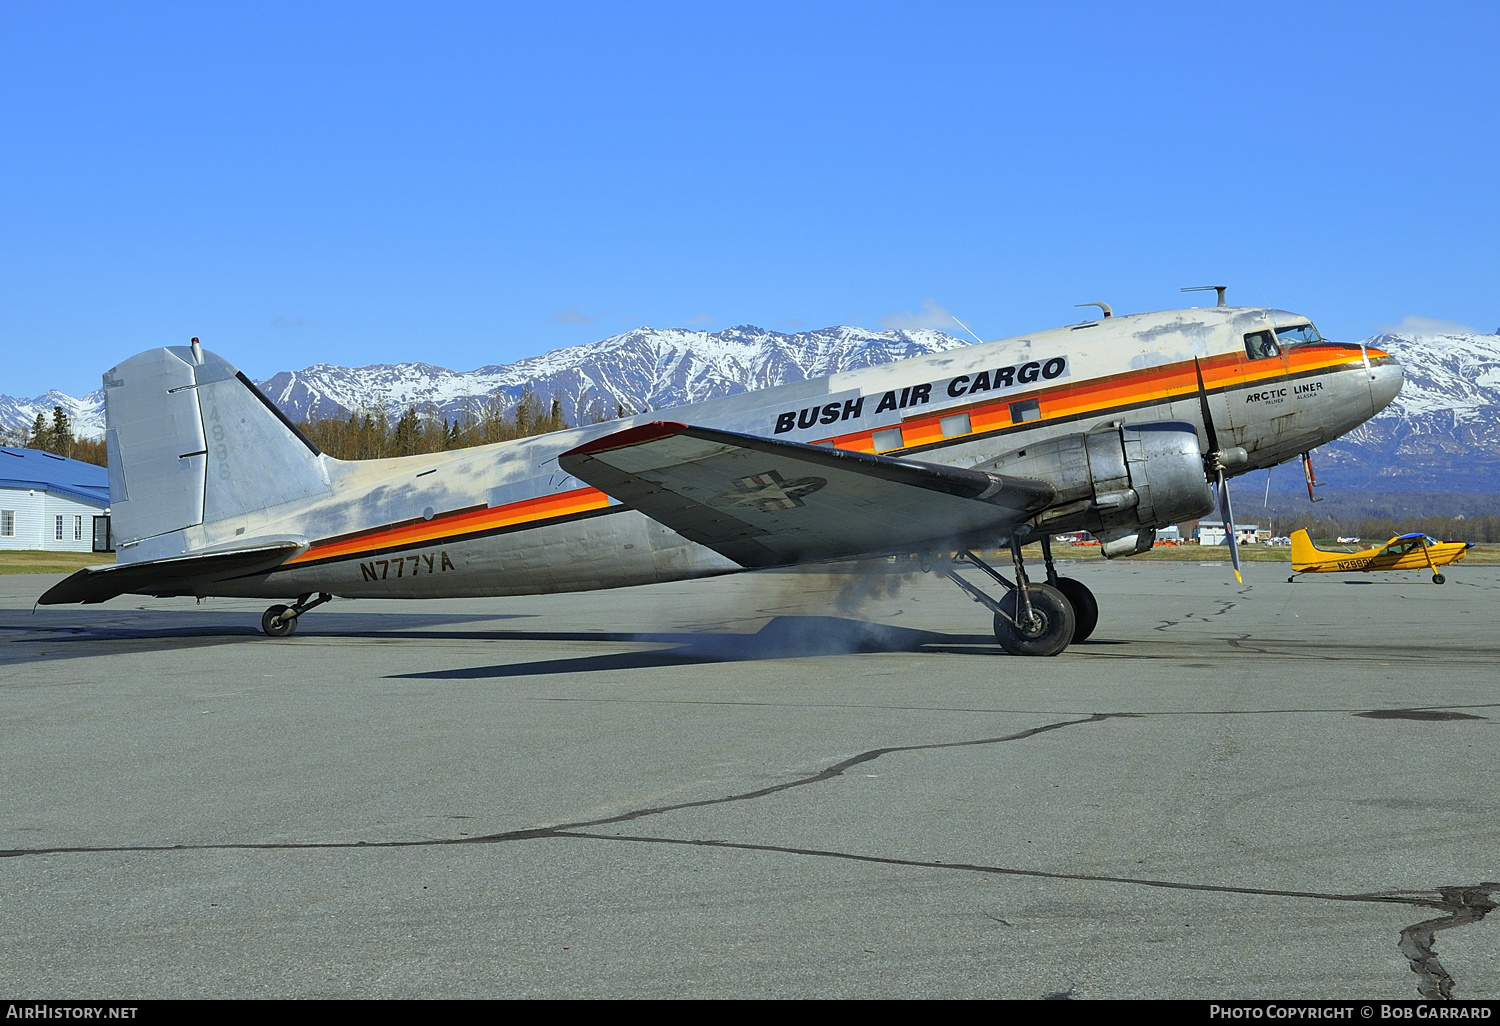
[[1116, 426]]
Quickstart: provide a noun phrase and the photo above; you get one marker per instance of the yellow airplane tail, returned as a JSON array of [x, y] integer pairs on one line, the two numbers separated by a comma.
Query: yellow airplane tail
[[1304, 553]]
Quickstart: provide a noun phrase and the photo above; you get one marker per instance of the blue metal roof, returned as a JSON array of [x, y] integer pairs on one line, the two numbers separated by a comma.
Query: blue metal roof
[[73, 479]]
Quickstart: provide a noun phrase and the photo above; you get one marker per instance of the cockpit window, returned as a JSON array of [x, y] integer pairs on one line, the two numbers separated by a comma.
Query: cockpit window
[[1260, 344], [1297, 334]]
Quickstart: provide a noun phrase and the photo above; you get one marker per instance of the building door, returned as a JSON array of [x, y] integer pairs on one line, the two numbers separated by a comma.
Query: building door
[[102, 542]]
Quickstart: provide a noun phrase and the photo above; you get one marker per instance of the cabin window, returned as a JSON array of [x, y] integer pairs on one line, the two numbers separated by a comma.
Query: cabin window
[[888, 439], [956, 425], [7, 523], [1261, 344], [78, 528], [1027, 410], [57, 531], [1297, 334]]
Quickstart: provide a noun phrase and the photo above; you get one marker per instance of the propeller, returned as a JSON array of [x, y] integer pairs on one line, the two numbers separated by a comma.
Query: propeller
[[1213, 465]]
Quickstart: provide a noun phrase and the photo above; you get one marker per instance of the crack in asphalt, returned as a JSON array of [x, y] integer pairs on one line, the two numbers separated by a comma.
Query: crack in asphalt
[[837, 769], [1224, 606], [1465, 905], [1461, 905]]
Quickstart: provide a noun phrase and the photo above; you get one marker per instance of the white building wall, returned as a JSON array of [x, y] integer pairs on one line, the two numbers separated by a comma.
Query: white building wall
[[27, 507], [77, 524], [36, 514]]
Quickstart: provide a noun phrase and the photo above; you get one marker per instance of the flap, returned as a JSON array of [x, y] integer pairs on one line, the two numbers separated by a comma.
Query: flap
[[175, 576], [763, 502]]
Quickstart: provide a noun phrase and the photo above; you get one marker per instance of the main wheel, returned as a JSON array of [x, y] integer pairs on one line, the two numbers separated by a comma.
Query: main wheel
[[1438, 578], [1050, 631], [277, 628], [1085, 607]]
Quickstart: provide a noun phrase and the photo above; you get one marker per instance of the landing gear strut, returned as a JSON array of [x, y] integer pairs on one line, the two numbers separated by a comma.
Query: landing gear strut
[[1085, 606], [1032, 619], [281, 621]]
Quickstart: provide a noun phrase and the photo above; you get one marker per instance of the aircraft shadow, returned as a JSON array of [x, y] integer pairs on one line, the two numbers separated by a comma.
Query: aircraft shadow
[[53, 635], [784, 637], [66, 634]]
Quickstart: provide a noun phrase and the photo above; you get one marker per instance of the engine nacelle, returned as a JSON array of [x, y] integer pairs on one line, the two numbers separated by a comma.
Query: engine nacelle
[[1119, 483]]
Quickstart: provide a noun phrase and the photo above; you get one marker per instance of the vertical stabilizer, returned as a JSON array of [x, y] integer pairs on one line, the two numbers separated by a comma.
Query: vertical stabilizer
[[192, 442], [257, 458], [1304, 552]]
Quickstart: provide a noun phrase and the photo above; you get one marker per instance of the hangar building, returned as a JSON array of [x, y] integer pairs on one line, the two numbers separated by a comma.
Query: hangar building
[[52, 503]]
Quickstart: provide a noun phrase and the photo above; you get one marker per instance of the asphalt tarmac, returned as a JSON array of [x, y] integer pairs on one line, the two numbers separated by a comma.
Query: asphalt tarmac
[[772, 785]]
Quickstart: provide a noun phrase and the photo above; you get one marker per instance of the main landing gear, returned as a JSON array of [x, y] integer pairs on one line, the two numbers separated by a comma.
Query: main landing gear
[[281, 621], [1032, 619]]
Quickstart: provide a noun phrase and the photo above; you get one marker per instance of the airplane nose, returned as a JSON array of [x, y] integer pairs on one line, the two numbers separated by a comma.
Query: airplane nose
[[1386, 379]]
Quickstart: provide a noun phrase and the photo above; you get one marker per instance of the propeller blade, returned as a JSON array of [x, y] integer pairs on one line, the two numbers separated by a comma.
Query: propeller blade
[[1208, 418], [1216, 455], [1226, 510]]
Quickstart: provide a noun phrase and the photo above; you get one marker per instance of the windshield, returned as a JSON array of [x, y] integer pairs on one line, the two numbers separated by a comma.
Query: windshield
[[1296, 335]]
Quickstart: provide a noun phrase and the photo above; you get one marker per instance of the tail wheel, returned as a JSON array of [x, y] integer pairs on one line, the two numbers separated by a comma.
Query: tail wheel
[[274, 626], [1438, 578], [1050, 629], [1085, 607]]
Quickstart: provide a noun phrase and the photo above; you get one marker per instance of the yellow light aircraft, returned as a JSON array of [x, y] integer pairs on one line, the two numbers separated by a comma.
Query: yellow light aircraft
[[1404, 552]]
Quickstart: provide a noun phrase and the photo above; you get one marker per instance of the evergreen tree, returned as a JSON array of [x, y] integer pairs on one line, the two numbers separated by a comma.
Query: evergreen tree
[[62, 433], [40, 435], [527, 413], [408, 438]]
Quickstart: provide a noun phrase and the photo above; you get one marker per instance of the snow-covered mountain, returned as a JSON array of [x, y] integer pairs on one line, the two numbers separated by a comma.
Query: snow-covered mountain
[[1441, 434], [86, 414], [648, 368]]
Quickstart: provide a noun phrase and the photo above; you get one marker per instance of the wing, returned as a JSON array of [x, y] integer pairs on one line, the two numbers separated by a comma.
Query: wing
[[175, 576], [768, 503]]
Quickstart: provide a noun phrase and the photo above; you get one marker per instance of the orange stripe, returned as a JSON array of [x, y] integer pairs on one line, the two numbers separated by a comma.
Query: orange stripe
[[580, 500], [1164, 384]]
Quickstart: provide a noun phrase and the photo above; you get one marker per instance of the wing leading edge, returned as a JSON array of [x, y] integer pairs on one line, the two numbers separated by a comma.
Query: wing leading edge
[[765, 503]]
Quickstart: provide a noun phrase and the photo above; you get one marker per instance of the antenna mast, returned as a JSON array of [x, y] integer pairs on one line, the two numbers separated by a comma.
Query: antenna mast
[[1209, 288], [964, 326]]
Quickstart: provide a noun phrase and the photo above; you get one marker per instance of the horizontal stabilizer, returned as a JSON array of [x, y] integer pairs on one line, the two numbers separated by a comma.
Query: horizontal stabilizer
[[175, 576], [763, 502]]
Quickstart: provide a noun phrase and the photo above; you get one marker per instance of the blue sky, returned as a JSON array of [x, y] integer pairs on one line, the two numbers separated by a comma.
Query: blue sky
[[468, 184]]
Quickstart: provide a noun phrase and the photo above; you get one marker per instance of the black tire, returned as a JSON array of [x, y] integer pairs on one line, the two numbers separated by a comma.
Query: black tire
[[1438, 578], [275, 628], [1085, 607], [1053, 632]]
